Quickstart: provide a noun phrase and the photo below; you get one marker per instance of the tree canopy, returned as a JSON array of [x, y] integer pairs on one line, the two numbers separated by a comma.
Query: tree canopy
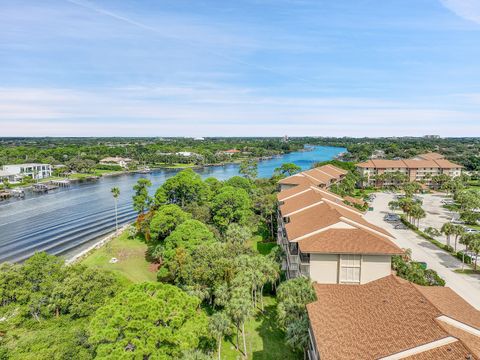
[[148, 321]]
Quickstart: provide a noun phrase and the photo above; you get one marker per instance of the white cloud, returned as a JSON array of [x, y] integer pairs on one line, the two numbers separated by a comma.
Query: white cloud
[[467, 9], [213, 110]]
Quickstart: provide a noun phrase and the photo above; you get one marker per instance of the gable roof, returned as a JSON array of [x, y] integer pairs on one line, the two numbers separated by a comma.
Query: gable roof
[[409, 164], [348, 241], [430, 156], [306, 196], [378, 319], [320, 176], [319, 216]]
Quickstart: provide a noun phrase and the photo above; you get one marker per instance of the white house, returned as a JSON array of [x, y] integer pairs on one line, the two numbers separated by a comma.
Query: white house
[[117, 160], [34, 170]]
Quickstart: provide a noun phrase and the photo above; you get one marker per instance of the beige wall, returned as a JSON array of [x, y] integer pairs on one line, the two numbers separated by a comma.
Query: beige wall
[[374, 267], [324, 268]]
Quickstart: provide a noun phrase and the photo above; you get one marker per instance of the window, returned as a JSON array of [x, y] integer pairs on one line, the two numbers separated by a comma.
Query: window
[[350, 268]]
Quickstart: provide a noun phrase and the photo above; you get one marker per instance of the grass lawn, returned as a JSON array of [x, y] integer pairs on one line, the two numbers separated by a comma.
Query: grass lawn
[[264, 340], [467, 271], [130, 253], [174, 166]]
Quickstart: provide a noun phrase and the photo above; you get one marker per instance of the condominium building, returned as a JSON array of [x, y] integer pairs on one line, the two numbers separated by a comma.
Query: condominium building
[[330, 241], [321, 177], [421, 168], [391, 318], [35, 171]]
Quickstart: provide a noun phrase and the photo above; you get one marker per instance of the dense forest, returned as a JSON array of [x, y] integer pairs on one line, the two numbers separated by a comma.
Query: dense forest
[[86, 152]]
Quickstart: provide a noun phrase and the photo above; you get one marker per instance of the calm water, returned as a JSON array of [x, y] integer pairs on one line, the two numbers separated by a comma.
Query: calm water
[[66, 220]]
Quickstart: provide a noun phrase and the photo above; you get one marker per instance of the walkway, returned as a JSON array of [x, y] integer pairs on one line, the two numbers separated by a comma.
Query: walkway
[[467, 286]]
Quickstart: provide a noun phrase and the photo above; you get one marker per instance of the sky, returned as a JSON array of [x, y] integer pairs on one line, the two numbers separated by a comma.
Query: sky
[[239, 67]]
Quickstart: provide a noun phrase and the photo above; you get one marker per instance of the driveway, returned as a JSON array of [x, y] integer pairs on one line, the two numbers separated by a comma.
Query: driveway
[[467, 286]]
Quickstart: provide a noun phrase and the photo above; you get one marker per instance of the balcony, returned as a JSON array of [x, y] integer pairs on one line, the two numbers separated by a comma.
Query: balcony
[[305, 270]]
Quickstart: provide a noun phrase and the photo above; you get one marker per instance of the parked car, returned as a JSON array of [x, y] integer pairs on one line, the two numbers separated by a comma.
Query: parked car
[[470, 231], [400, 226], [457, 221], [391, 218]]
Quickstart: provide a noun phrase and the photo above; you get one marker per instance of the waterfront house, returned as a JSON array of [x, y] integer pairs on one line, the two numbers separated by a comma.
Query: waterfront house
[[9, 176], [391, 318], [117, 160], [422, 168], [33, 170]]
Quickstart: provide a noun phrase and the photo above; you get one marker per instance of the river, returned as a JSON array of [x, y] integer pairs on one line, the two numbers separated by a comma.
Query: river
[[64, 221]]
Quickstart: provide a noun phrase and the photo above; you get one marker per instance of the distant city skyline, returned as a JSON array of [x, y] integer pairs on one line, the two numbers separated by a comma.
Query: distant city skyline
[[240, 68]]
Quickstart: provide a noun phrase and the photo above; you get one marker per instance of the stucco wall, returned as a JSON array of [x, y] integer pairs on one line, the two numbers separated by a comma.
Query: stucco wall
[[324, 268], [374, 267]]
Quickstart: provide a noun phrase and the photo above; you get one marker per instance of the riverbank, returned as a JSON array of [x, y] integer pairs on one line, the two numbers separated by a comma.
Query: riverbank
[[64, 221]]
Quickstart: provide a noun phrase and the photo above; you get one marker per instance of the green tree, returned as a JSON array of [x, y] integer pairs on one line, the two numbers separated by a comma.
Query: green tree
[[472, 243], [141, 199], [231, 205], [287, 169], [448, 229], [116, 193], [165, 220], [240, 309], [458, 231], [220, 325], [293, 295], [249, 169], [82, 291], [148, 320], [237, 234], [184, 188]]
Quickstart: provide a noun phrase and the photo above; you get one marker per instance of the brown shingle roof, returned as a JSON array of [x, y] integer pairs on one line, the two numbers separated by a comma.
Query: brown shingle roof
[[374, 320], [282, 195], [450, 304], [322, 175], [310, 220], [445, 164], [453, 351], [431, 156], [348, 241], [298, 179], [325, 214], [297, 200]]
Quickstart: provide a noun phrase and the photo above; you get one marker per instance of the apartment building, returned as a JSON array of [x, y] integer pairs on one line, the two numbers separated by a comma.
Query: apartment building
[[391, 318], [421, 168], [327, 240], [35, 171], [321, 177]]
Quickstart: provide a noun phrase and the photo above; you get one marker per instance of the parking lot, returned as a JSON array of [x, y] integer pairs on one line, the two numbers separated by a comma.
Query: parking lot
[[468, 286]]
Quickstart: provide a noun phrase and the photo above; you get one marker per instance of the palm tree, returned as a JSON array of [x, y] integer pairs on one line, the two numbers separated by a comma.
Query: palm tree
[[220, 325], [116, 193], [459, 230], [448, 230]]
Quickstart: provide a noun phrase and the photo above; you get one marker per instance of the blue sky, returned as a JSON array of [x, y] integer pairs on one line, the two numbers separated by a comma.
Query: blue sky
[[240, 67]]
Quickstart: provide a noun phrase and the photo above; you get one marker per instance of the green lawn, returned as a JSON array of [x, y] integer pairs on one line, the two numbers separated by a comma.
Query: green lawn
[[130, 253], [467, 271], [174, 166], [264, 339]]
